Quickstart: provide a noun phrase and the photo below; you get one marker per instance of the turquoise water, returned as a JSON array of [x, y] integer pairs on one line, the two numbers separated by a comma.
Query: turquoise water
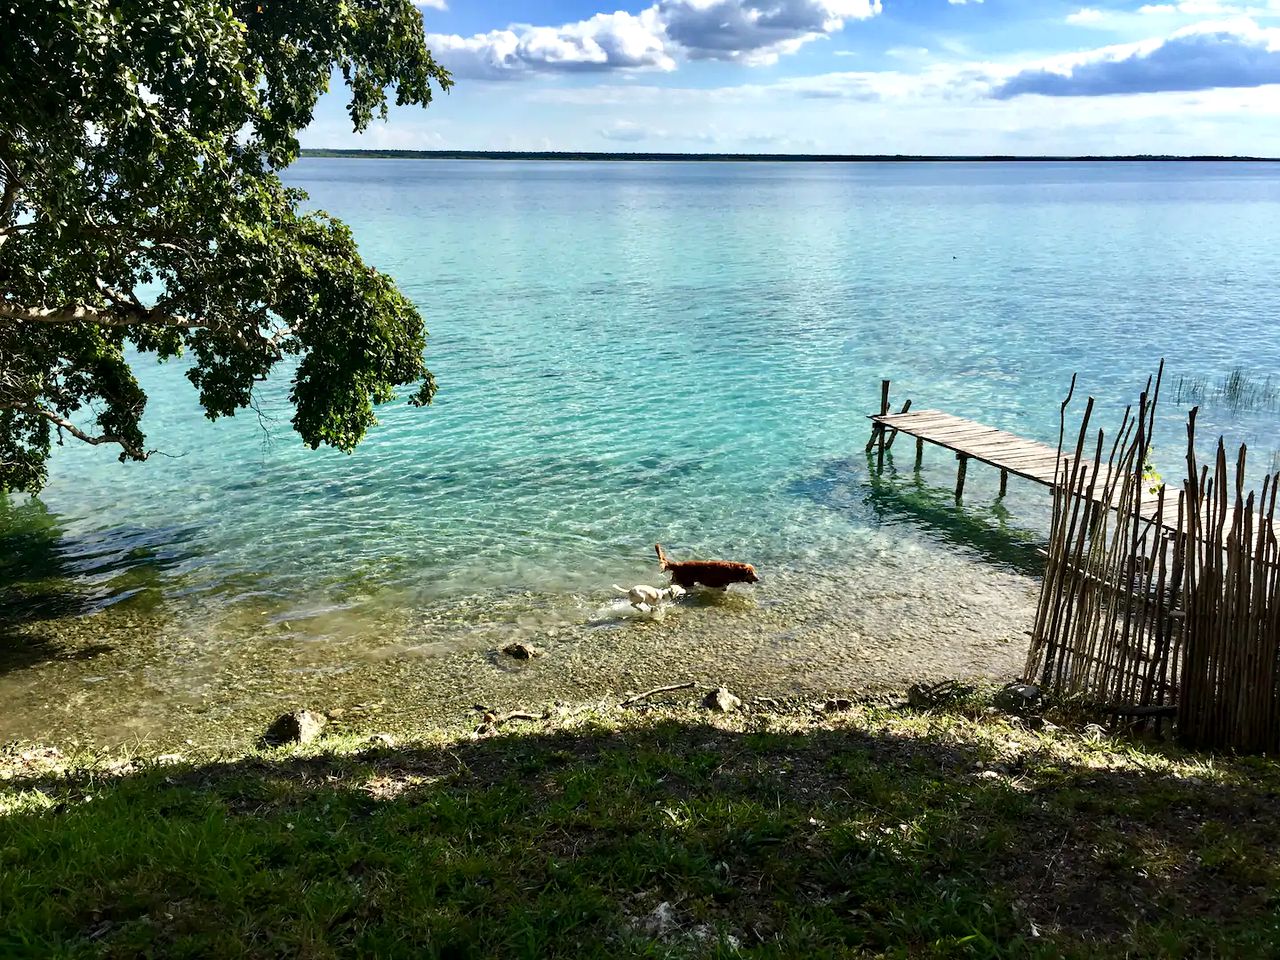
[[677, 352]]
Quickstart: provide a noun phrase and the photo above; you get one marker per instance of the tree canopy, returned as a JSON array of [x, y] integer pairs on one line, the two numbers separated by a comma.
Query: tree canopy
[[140, 202]]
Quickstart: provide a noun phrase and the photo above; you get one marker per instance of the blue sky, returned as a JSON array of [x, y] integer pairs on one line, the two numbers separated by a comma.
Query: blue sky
[[844, 76]]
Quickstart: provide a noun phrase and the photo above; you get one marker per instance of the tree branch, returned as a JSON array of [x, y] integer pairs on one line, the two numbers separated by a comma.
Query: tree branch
[[131, 314], [128, 301], [9, 199], [62, 423]]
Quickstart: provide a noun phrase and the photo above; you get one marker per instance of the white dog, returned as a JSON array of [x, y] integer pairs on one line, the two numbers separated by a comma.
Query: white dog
[[649, 599]]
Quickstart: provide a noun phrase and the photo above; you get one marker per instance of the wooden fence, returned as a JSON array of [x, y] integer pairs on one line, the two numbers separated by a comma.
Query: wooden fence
[[1160, 602]]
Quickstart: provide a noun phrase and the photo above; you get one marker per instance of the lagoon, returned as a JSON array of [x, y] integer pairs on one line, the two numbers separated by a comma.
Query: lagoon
[[632, 352]]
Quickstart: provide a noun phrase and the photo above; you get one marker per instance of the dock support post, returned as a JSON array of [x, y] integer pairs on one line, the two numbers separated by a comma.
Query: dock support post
[[884, 409], [893, 435], [1004, 482], [919, 452], [964, 466], [877, 430]]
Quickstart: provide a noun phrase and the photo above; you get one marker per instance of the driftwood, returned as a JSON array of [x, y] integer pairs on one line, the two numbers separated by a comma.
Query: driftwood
[[639, 697]]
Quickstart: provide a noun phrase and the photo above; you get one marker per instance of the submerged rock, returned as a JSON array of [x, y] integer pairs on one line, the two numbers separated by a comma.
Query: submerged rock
[[721, 701], [521, 651], [300, 726]]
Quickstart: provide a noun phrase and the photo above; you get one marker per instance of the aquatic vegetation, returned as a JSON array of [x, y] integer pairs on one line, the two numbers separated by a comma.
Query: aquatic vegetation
[[1239, 391]]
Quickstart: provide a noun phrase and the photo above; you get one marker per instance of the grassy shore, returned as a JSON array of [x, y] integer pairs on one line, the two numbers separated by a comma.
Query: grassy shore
[[664, 832]]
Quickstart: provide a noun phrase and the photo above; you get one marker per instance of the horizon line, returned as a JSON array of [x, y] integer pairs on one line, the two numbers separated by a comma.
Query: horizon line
[[651, 156]]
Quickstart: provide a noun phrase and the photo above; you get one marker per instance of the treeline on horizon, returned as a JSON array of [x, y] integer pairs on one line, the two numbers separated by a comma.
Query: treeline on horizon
[[756, 157]]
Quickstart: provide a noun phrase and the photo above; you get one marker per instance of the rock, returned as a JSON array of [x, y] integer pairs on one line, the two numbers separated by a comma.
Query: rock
[[300, 726], [521, 651], [923, 696], [382, 740], [721, 701], [660, 922], [1018, 698], [837, 705], [706, 933]]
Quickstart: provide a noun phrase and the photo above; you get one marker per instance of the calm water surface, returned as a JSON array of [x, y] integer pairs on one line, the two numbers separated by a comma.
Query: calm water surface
[[630, 353]]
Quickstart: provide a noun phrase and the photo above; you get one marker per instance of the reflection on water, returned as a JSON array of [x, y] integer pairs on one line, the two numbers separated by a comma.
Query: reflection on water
[[46, 572], [984, 528]]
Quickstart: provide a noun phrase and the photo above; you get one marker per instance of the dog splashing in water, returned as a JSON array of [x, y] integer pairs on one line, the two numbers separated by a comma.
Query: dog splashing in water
[[649, 599], [716, 574]]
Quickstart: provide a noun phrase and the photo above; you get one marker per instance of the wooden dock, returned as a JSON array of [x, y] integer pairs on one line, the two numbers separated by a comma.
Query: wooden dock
[[1009, 453], [970, 440]]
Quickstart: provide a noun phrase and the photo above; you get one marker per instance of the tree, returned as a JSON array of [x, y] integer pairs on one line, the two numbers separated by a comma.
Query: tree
[[140, 201]]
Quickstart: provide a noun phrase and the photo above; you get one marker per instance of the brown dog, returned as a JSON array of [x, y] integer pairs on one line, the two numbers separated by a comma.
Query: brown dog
[[717, 574]]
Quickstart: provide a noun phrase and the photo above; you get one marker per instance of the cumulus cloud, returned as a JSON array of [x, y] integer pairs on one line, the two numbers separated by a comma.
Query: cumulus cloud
[[746, 31], [1235, 53], [433, 4], [604, 42], [754, 31]]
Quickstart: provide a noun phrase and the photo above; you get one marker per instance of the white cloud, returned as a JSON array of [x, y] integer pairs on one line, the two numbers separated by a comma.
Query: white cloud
[[628, 132], [433, 4], [1194, 8], [746, 31], [755, 31], [1209, 55], [1085, 15], [605, 41], [1212, 8]]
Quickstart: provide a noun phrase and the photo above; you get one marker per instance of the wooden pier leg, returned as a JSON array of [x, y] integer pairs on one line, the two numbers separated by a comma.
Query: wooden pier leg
[[884, 409], [919, 452], [1004, 482], [893, 434], [964, 466]]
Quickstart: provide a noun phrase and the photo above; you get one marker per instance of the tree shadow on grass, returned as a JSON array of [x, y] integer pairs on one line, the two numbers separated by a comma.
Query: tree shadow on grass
[[844, 839]]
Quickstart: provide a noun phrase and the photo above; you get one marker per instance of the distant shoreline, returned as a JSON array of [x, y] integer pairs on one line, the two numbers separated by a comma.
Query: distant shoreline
[[586, 156]]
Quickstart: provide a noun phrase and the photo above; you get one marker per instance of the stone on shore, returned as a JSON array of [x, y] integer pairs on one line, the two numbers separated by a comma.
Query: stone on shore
[[720, 700], [300, 726]]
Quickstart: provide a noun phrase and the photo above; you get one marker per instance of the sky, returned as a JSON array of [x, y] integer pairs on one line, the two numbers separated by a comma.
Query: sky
[[843, 76]]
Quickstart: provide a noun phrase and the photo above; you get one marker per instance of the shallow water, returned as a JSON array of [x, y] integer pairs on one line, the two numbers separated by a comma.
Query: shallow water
[[631, 353]]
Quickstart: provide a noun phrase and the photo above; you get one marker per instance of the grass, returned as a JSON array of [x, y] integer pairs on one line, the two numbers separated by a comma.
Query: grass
[[788, 832]]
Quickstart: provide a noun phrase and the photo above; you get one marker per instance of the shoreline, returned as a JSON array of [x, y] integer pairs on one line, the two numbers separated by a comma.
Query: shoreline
[[126, 676], [589, 156]]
